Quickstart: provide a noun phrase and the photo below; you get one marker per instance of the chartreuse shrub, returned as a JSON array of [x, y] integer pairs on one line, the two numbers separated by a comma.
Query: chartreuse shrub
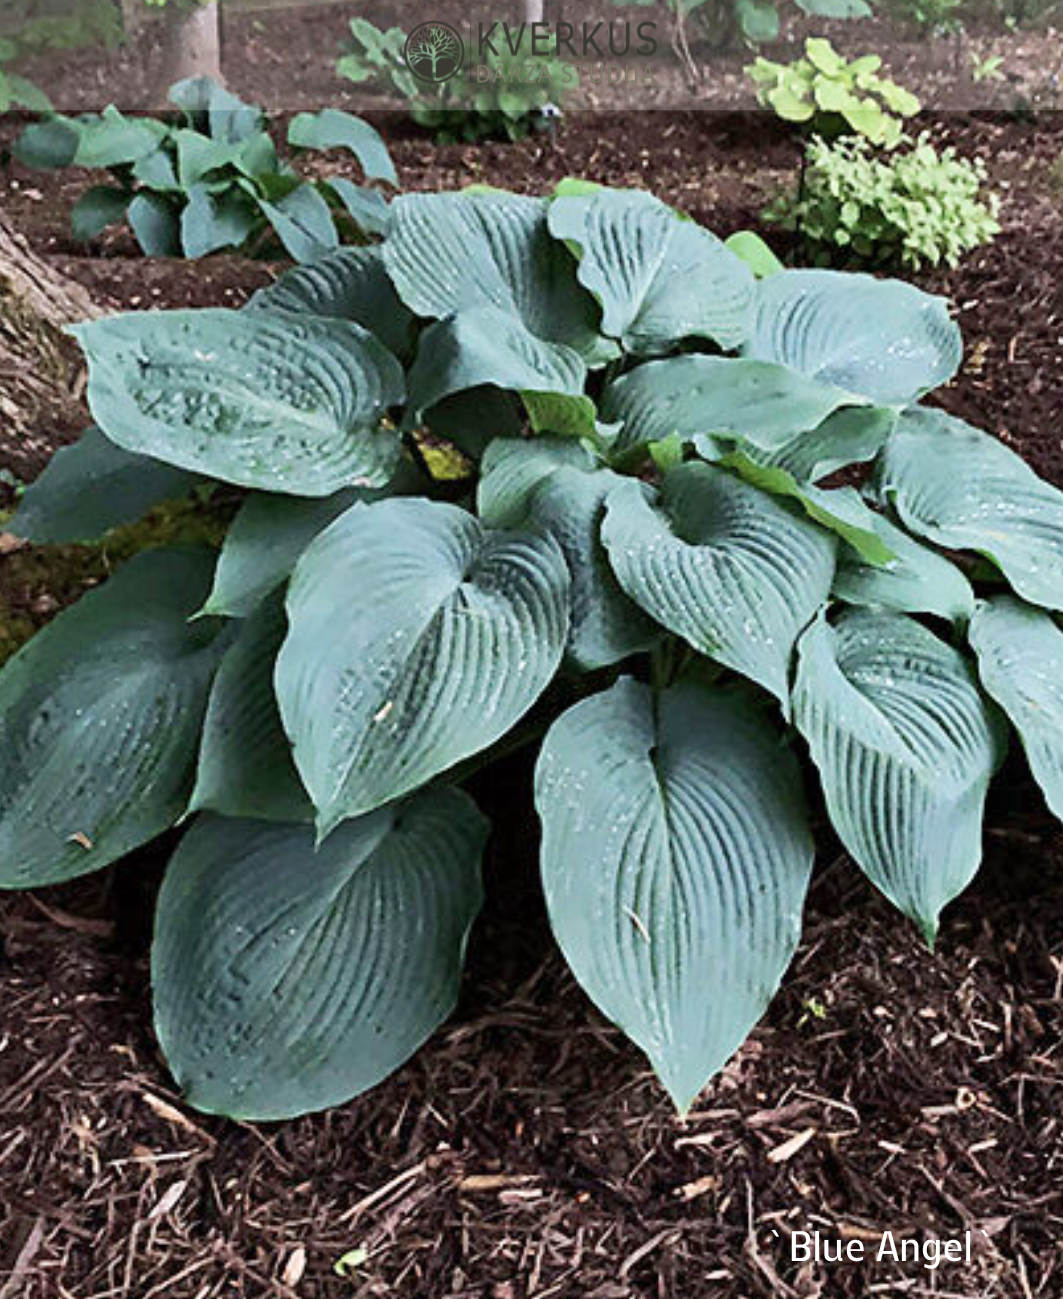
[[916, 206], [212, 179], [834, 96], [645, 575]]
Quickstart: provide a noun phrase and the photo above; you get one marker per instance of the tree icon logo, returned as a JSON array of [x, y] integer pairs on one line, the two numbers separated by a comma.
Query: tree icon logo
[[434, 52]]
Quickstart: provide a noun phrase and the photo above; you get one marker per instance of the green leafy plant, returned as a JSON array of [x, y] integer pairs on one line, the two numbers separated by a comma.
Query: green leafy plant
[[990, 68], [32, 25], [643, 574], [212, 178], [936, 17], [506, 95], [16, 91], [834, 96], [721, 23], [913, 207]]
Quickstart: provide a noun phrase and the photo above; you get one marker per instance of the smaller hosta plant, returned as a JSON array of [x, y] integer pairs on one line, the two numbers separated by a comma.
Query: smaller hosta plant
[[212, 179], [832, 96], [645, 578], [913, 207], [377, 59]]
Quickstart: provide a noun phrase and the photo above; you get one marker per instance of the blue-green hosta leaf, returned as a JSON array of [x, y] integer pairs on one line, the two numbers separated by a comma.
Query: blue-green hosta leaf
[[262, 399], [348, 284], [211, 222], [99, 721], [198, 155], [303, 223], [93, 486], [851, 436], [1020, 661], [368, 208], [840, 509], [49, 144], [288, 979], [211, 107], [334, 129], [449, 253], [155, 221], [658, 278], [916, 580], [676, 856], [729, 568], [767, 405], [99, 207], [245, 759], [485, 345], [883, 339], [962, 489], [452, 633], [905, 746], [113, 140], [569, 505], [263, 543], [512, 469]]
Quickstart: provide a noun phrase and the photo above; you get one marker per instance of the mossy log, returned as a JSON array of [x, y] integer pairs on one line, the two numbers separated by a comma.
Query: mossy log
[[41, 369]]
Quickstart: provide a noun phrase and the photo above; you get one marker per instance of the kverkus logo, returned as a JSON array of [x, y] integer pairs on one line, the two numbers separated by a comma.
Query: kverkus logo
[[434, 52]]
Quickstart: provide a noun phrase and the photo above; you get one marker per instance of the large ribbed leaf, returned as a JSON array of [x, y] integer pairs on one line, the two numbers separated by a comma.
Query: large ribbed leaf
[[288, 979], [513, 468], [245, 759], [905, 747], [916, 580], [605, 626], [705, 395], [488, 346], [841, 509], [92, 486], [658, 278], [99, 721], [449, 253], [675, 859], [851, 436], [883, 339], [347, 284], [264, 399], [448, 634], [1020, 661], [265, 539], [963, 489], [729, 568]]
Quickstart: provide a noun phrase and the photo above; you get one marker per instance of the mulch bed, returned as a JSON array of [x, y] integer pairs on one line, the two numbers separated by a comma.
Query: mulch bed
[[527, 1152]]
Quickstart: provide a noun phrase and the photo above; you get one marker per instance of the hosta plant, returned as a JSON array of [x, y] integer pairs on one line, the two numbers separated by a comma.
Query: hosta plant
[[644, 577], [211, 178], [833, 96]]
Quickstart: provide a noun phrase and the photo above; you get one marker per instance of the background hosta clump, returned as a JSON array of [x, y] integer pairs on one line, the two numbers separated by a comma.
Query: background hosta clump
[[644, 572]]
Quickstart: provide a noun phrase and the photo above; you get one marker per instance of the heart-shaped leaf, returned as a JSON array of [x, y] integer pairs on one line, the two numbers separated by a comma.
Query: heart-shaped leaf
[[452, 633], [764, 404], [883, 339], [658, 278], [729, 568], [963, 489], [449, 253], [263, 399], [905, 746], [100, 715], [675, 858], [349, 956]]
